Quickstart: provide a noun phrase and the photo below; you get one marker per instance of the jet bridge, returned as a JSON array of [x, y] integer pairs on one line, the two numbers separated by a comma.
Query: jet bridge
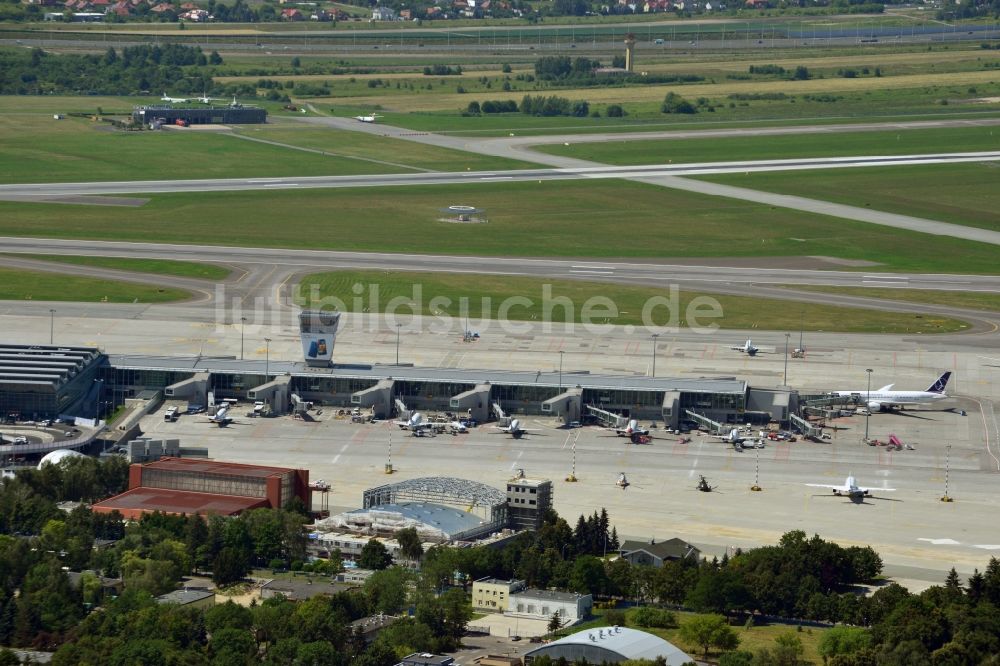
[[378, 397], [807, 429], [502, 417], [565, 405], [275, 393], [474, 402], [193, 389], [610, 419], [701, 419], [402, 411]]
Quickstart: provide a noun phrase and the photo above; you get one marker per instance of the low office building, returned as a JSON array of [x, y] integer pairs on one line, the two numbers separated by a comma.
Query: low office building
[[653, 554], [189, 598], [528, 500], [368, 628], [493, 594], [570, 606], [190, 486], [610, 645]]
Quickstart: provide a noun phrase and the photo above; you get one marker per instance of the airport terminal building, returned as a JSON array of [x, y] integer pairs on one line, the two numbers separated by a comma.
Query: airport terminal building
[[45, 381]]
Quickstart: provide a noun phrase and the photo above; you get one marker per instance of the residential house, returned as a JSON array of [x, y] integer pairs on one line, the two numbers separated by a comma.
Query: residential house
[[195, 15], [383, 14], [651, 553]]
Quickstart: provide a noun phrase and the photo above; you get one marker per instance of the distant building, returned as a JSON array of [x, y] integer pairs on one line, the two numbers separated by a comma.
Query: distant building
[[44, 381], [528, 500], [493, 594], [354, 576], [201, 115], [650, 553], [570, 606], [368, 628], [610, 645], [383, 14], [299, 589], [426, 659], [190, 486], [190, 598]]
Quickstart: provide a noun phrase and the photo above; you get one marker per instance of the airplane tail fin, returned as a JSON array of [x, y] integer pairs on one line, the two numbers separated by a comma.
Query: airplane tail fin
[[940, 384]]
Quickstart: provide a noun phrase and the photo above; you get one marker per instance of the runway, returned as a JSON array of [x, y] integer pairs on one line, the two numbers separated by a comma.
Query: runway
[[52, 190]]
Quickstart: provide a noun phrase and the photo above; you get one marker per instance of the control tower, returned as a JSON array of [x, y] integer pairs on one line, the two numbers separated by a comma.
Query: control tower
[[629, 51], [318, 331]]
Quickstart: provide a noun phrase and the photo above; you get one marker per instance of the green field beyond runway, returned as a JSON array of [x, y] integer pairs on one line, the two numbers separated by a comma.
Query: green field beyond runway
[[442, 295], [189, 269], [967, 194], [560, 219], [813, 144], [20, 285]]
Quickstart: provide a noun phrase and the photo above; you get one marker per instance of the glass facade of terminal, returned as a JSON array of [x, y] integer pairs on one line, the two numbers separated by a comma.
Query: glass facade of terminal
[[515, 399]]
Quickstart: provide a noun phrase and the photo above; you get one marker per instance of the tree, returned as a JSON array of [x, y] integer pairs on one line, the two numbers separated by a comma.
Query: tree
[[674, 103], [409, 544], [708, 631], [787, 651], [296, 63], [843, 641], [230, 566], [554, 623], [386, 590], [374, 555], [801, 73], [473, 109]]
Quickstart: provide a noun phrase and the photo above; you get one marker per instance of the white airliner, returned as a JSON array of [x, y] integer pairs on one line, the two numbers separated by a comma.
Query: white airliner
[[737, 440], [514, 429], [631, 429], [850, 489], [173, 100], [885, 399], [747, 348], [205, 99], [415, 424], [370, 118], [221, 417]]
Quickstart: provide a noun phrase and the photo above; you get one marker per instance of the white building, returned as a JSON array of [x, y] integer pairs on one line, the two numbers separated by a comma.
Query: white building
[[383, 14], [611, 645], [543, 604]]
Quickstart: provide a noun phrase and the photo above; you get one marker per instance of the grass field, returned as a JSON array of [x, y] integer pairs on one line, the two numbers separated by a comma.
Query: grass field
[[958, 193], [818, 144], [363, 146], [653, 95], [988, 302], [189, 269], [605, 218], [442, 295], [753, 639], [16, 284], [37, 148]]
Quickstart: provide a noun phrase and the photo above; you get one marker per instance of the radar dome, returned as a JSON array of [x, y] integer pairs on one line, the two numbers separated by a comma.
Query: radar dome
[[59, 455]]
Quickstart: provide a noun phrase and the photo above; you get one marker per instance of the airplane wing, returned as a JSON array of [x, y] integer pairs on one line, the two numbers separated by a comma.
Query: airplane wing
[[887, 387], [881, 490], [826, 485]]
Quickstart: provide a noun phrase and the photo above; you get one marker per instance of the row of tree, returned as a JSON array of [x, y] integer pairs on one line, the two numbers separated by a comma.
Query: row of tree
[[146, 68]]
